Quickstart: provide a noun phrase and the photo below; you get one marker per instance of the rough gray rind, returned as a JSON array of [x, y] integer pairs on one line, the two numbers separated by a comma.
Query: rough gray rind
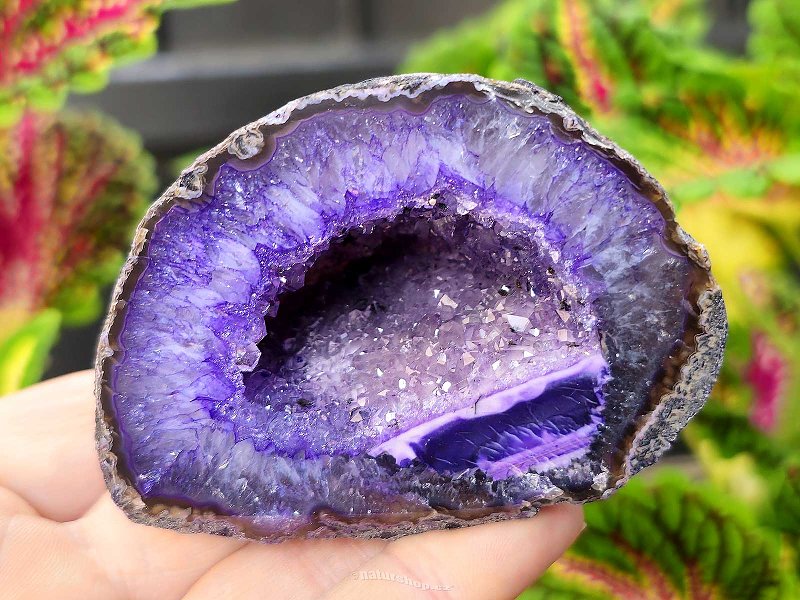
[[654, 432], [698, 375]]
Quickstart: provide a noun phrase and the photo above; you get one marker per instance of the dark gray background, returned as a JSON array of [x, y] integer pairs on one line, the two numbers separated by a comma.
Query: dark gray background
[[220, 67]]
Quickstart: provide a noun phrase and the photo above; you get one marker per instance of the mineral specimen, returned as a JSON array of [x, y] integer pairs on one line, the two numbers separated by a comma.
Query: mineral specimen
[[416, 302]]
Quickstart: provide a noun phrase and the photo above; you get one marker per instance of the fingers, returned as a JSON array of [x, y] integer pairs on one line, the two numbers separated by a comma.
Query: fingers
[[102, 555], [40, 559], [47, 452], [11, 504], [498, 560], [48, 464], [146, 562], [292, 570]]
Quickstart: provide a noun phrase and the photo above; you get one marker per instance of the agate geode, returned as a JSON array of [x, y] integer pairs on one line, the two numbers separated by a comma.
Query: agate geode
[[417, 302]]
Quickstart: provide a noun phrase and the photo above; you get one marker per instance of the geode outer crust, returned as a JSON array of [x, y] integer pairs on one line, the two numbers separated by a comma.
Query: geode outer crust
[[686, 380]]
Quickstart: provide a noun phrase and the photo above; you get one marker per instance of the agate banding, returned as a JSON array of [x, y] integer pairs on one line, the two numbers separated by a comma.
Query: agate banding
[[417, 302]]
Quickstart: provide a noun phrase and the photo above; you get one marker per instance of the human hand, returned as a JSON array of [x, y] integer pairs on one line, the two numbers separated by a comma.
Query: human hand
[[62, 537]]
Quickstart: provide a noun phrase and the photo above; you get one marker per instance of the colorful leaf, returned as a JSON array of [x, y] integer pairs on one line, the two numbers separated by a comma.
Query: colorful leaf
[[49, 46], [743, 462], [71, 188], [593, 54], [767, 374], [636, 61], [666, 540]]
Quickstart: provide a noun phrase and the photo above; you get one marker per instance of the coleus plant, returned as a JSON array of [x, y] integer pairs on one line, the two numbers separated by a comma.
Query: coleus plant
[[48, 47], [666, 540], [71, 186], [715, 130]]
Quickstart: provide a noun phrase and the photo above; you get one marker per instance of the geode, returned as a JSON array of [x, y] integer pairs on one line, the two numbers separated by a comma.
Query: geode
[[418, 302]]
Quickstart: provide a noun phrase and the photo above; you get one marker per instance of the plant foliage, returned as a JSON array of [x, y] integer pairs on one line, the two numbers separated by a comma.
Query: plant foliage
[[50, 46], [71, 187], [666, 540]]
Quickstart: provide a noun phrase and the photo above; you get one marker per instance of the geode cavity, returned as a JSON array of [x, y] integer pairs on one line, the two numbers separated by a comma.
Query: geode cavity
[[412, 303]]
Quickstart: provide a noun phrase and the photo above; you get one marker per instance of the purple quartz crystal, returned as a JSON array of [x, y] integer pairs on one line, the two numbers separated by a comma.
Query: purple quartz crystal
[[412, 303]]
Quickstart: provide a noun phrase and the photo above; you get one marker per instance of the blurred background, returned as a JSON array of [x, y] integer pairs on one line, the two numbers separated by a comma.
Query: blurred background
[[104, 102]]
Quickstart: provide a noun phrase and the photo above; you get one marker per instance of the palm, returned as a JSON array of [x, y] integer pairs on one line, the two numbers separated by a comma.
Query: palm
[[61, 536]]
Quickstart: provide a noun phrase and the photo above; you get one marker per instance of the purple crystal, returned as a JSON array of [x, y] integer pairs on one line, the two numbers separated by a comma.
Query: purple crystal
[[410, 303]]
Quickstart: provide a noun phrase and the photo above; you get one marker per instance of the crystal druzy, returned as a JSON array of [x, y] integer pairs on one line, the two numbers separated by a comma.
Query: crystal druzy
[[417, 302]]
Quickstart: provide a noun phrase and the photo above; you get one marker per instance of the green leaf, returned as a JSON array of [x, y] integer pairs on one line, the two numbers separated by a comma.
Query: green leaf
[[642, 63], [784, 514], [775, 30], [786, 169], [693, 190], [733, 434], [23, 353], [744, 183], [682, 539], [470, 48]]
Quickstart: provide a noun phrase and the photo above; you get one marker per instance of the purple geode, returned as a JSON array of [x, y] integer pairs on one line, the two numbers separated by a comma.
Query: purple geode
[[412, 303]]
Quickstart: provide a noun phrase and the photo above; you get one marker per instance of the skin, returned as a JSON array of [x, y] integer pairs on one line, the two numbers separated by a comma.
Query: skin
[[61, 536]]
